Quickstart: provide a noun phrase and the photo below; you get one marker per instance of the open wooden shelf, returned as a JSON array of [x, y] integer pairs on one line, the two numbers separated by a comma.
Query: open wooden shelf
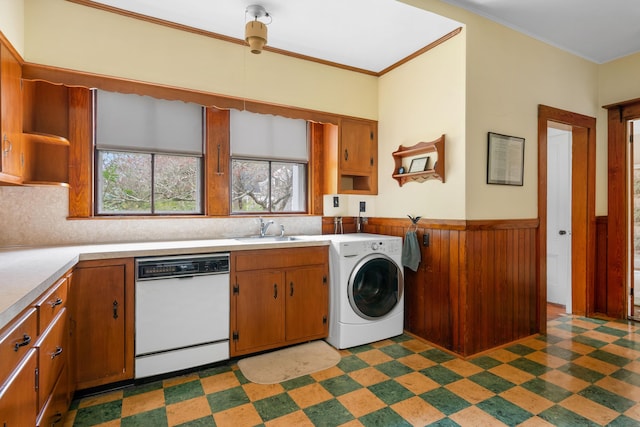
[[46, 159], [436, 172]]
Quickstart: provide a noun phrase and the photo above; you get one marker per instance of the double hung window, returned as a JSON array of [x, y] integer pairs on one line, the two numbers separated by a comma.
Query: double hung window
[[149, 155], [269, 157]]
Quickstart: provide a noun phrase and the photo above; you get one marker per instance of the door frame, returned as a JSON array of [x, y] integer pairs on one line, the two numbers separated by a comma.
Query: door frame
[[582, 290], [617, 204]]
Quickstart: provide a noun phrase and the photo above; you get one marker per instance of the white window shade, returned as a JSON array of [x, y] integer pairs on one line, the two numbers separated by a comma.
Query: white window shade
[[266, 136], [141, 123]]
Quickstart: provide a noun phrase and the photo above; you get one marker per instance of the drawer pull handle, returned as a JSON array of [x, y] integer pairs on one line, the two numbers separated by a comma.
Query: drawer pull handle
[[275, 291], [58, 301], [56, 418], [26, 339], [56, 353], [291, 285], [115, 309], [8, 145]]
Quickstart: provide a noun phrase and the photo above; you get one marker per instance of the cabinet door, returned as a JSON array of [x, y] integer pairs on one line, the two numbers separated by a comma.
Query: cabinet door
[[10, 117], [259, 310], [52, 356], [103, 336], [16, 341], [18, 398], [358, 150], [307, 303], [57, 404]]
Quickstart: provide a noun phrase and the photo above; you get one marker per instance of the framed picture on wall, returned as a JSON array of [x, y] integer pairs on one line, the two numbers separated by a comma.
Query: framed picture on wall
[[419, 164], [505, 159]]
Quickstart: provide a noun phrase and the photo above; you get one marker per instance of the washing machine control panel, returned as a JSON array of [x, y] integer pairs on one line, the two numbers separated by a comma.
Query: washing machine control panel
[[386, 246]]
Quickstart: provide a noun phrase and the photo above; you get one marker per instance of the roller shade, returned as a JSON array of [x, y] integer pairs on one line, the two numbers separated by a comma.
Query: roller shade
[[141, 123], [265, 136]]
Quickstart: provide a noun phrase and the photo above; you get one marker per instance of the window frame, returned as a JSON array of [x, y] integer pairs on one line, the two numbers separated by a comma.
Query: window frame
[[305, 211], [96, 192]]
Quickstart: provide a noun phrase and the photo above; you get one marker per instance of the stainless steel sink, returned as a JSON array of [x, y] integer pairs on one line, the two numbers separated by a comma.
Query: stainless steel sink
[[267, 239]]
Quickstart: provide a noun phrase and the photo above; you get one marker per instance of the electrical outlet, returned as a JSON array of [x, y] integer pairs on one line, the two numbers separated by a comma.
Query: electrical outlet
[[363, 206], [336, 202]]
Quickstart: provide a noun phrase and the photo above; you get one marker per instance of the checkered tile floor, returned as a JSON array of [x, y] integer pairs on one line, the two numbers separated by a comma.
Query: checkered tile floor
[[584, 372]]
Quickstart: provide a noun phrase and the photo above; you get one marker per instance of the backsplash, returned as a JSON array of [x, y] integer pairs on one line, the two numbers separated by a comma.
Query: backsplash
[[37, 216]]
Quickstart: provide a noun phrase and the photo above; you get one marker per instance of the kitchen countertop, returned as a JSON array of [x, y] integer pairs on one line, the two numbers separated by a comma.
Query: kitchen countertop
[[25, 273]]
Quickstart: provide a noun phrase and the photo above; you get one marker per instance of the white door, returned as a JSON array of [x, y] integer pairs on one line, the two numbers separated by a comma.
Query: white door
[[559, 216]]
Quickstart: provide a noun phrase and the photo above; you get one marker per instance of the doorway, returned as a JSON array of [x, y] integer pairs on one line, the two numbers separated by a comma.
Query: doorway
[[578, 231], [559, 167]]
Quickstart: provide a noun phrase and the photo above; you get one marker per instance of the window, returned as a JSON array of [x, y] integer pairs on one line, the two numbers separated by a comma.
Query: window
[[268, 186], [269, 163], [147, 184], [148, 156]]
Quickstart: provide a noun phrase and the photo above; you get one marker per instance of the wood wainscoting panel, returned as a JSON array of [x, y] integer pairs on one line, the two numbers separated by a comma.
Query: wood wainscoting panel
[[476, 287]]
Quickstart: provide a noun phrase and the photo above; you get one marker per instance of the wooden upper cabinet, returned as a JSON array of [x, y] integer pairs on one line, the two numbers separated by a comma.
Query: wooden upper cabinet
[[350, 157], [12, 157], [357, 147]]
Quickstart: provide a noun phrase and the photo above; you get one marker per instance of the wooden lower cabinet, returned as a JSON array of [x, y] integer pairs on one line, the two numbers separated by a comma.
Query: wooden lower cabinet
[[306, 303], [279, 297], [52, 356], [102, 322], [34, 354], [18, 397], [54, 408]]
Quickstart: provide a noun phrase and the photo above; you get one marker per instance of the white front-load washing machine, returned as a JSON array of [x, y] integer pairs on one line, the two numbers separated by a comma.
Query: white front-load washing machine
[[366, 293]]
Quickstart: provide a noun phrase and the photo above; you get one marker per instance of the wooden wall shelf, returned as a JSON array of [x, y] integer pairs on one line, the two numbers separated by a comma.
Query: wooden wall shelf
[[436, 171], [46, 159]]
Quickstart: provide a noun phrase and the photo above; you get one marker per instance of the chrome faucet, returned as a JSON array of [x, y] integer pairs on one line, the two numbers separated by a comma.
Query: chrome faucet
[[264, 226]]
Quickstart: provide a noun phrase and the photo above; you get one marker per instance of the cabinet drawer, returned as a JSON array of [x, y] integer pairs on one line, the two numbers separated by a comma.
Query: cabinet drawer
[[57, 404], [280, 258], [52, 302], [52, 354], [18, 398], [16, 340]]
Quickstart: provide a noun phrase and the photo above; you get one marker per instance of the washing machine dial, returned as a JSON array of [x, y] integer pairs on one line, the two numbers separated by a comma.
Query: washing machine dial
[[375, 246]]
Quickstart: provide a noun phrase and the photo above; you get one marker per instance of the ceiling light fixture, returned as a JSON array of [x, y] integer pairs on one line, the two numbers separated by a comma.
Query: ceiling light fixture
[[255, 31]]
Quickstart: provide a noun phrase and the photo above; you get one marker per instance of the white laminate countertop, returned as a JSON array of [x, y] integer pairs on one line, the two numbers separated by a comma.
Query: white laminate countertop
[[25, 273]]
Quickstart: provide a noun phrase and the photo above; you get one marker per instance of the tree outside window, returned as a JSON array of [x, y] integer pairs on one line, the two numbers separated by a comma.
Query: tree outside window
[[148, 183], [268, 186]]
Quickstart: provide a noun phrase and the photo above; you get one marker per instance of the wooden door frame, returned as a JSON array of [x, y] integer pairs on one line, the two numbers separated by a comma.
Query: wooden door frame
[[618, 200], [546, 114]]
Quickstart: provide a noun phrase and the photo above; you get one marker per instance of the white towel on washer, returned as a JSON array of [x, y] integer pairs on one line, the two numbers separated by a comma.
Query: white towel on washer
[[411, 251]]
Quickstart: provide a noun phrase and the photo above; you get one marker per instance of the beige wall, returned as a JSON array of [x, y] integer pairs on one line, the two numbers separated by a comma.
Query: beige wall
[[68, 35], [12, 22], [508, 75], [420, 101]]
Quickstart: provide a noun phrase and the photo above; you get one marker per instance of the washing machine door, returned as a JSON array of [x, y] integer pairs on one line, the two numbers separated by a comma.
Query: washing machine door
[[375, 286]]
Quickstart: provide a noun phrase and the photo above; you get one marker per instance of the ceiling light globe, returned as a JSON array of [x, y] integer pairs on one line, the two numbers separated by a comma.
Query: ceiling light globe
[[255, 33]]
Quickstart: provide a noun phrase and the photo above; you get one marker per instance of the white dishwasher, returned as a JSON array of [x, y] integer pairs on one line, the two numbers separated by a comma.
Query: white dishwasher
[[181, 312]]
